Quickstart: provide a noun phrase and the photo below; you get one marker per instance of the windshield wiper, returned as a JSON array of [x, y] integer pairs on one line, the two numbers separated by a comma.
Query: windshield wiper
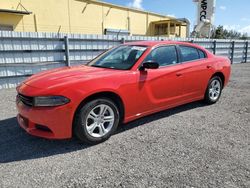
[[99, 66]]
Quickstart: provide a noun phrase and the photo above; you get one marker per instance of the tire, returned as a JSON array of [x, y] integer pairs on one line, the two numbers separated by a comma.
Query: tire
[[96, 121], [213, 91]]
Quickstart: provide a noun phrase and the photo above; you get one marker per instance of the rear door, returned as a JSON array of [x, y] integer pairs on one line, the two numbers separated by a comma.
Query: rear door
[[196, 71]]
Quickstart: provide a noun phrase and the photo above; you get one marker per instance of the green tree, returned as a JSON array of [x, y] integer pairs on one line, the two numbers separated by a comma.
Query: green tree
[[244, 36], [221, 33]]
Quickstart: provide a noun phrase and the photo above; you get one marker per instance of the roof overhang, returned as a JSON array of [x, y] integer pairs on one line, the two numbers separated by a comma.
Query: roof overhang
[[16, 12], [176, 21]]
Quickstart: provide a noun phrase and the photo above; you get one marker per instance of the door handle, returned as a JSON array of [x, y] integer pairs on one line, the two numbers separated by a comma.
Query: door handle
[[178, 74]]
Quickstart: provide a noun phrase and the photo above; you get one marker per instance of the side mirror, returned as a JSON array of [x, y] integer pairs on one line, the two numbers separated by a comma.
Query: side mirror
[[149, 65]]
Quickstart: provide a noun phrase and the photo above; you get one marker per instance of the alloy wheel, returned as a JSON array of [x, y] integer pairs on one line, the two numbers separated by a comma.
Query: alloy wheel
[[214, 90], [100, 120]]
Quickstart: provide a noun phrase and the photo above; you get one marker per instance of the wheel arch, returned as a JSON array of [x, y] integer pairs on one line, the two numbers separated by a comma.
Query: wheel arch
[[222, 77], [104, 94]]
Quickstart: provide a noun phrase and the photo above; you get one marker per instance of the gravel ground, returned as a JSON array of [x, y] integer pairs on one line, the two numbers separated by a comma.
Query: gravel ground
[[190, 146]]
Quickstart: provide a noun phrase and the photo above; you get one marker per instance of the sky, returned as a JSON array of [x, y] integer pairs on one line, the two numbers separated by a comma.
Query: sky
[[232, 14]]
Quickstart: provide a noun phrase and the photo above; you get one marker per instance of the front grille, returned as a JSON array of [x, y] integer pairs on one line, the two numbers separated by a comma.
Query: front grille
[[25, 100]]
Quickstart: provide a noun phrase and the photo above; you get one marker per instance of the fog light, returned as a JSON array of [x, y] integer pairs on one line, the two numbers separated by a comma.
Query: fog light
[[43, 128]]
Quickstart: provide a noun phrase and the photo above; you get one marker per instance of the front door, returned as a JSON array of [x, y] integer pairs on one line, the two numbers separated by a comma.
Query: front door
[[161, 87]]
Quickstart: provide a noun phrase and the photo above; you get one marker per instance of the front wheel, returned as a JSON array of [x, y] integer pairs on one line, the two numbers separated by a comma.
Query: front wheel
[[97, 121], [213, 91]]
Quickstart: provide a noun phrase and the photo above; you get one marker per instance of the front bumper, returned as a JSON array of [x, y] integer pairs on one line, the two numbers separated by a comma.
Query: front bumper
[[46, 122]]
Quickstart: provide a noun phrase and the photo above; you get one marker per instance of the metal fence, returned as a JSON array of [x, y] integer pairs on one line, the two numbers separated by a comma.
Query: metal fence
[[24, 53]]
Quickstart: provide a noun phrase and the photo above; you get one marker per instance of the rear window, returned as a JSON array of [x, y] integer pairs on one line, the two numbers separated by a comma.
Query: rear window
[[189, 53], [202, 54]]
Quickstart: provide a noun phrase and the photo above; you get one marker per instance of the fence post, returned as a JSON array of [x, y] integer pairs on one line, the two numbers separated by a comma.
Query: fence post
[[66, 43], [232, 52], [214, 47], [122, 40], [246, 51]]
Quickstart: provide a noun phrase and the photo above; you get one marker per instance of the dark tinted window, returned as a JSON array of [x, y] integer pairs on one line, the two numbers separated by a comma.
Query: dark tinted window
[[189, 53], [201, 54], [165, 55]]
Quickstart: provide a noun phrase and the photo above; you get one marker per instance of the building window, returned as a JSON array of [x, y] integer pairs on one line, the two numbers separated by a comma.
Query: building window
[[172, 28], [161, 29], [6, 28]]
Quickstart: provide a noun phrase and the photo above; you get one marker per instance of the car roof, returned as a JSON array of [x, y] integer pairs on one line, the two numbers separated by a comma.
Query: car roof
[[165, 42]]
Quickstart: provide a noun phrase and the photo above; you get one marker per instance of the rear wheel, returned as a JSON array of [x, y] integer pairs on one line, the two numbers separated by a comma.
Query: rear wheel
[[213, 91], [97, 121]]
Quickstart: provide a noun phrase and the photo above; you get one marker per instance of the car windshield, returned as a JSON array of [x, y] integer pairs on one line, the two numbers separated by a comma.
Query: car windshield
[[121, 58]]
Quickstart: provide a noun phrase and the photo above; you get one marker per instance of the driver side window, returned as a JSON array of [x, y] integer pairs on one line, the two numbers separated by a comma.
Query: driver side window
[[165, 55]]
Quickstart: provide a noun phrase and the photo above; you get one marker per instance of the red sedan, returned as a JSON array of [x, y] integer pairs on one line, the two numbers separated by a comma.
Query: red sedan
[[125, 83]]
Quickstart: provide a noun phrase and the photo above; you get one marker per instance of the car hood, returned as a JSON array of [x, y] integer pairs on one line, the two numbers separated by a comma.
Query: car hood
[[62, 76]]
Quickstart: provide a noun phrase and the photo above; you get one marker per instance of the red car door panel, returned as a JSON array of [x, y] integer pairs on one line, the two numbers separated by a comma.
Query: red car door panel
[[195, 76], [160, 87], [196, 72]]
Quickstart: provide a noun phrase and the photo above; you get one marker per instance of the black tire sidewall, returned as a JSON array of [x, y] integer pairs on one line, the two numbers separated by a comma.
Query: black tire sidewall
[[207, 97], [80, 127]]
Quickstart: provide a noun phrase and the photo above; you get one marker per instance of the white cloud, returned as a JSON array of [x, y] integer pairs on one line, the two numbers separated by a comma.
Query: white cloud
[[223, 7], [136, 4], [171, 15], [232, 27], [245, 30], [239, 28]]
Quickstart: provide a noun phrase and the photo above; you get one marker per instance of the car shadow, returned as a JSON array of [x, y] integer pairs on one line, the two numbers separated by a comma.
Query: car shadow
[[17, 145]]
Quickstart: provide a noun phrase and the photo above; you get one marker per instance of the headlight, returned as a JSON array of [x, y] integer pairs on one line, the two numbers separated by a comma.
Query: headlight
[[50, 101]]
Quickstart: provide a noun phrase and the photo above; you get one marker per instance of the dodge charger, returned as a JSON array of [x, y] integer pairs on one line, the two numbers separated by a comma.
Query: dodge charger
[[125, 83]]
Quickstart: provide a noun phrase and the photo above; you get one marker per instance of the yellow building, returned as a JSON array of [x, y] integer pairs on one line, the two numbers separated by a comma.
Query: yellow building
[[86, 17]]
